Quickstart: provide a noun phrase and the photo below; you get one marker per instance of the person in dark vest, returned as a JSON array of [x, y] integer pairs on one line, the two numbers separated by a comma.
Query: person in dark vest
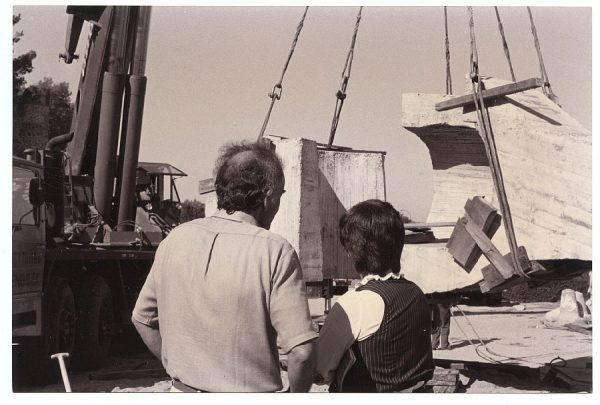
[[376, 338]]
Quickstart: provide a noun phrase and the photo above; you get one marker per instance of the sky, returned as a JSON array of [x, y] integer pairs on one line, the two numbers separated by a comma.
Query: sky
[[209, 71]]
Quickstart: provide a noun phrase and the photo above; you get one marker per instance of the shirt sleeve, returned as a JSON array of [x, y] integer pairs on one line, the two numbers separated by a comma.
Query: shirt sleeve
[[334, 339], [367, 313], [288, 306], [146, 306], [356, 316]]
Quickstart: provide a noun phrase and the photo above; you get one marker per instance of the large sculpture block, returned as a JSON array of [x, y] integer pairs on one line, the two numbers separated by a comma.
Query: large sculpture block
[[546, 161]]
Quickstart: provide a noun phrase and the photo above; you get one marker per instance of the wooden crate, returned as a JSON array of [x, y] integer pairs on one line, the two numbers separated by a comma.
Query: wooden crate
[[345, 179]]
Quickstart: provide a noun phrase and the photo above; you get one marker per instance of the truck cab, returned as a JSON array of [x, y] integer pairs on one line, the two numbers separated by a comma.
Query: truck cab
[[28, 247]]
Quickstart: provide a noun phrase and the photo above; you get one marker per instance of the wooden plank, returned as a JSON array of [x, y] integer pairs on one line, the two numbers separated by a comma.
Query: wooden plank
[[492, 284], [444, 377], [491, 278], [487, 247], [444, 381], [419, 237], [461, 245], [427, 225], [488, 94], [206, 186]]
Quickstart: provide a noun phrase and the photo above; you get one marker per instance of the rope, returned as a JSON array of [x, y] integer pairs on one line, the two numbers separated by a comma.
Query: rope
[[546, 88], [448, 74], [277, 89], [485, 129], [481, 342], [341, 93], [552, 363], [505, 45]]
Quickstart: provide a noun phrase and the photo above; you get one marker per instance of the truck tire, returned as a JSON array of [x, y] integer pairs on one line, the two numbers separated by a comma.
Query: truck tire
[[94, 324], [59, 326]]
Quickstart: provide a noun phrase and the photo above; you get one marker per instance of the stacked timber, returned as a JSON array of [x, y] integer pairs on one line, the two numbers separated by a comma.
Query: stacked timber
[[321, 184], [546, 161]]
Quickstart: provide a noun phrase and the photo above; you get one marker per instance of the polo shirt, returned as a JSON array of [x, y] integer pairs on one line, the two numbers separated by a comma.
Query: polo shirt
[[224, 293]]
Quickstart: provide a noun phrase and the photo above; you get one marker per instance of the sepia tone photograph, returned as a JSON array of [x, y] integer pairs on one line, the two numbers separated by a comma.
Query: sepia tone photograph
[[301, 199]]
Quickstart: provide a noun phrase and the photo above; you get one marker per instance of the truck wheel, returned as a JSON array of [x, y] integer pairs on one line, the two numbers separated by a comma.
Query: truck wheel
[[95, 324], [58, 325]]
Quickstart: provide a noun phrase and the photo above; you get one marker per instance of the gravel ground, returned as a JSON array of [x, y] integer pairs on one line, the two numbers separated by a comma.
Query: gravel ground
[[512, 359]]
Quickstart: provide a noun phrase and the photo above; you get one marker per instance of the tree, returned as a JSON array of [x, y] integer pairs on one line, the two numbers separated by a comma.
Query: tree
[[22, 64], [41, 112], [58, 98], [191, 209]]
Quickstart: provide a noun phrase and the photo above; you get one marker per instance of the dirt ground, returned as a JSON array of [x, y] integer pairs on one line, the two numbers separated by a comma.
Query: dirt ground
[[509, 352]]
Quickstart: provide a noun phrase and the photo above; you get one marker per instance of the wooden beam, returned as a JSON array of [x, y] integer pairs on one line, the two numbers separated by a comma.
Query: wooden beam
[[427, 225], [206, 186], [492, 93], [461, 245], [487, 248], [494, 282], [419, 237]]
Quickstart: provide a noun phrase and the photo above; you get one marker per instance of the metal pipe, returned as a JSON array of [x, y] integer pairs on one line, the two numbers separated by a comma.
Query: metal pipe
[[132, 148], [108, 131], [141, 41], [110, 114], [137, 93], [132, 28], [59, 141], [118, 41]]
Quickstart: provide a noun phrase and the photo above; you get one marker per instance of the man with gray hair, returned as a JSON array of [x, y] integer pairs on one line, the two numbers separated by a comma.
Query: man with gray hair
[[224, 291]]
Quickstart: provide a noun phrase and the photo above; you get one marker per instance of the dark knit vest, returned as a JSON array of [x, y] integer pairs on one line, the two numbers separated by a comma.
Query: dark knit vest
[[398, 354]]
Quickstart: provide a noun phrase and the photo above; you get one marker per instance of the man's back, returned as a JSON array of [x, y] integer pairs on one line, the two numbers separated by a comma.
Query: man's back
[[227, 292]]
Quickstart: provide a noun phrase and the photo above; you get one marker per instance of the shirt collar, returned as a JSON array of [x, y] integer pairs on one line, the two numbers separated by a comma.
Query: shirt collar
[[237, 216], [370, 277]]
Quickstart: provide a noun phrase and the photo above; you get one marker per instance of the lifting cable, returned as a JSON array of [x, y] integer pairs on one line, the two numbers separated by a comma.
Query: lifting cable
[[448, 74], [546, 87], [341, 93], [277, 89], [505, 45], [485, 130]]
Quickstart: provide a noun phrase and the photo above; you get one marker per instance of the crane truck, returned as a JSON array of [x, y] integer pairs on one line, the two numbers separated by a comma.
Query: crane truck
[[87, 215]]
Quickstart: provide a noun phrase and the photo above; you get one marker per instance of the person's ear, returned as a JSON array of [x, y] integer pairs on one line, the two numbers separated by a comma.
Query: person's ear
[[267, 199]]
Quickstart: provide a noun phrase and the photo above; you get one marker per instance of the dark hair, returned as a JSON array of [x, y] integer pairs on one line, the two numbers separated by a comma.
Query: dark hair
[[372, 233], [245, 172]]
